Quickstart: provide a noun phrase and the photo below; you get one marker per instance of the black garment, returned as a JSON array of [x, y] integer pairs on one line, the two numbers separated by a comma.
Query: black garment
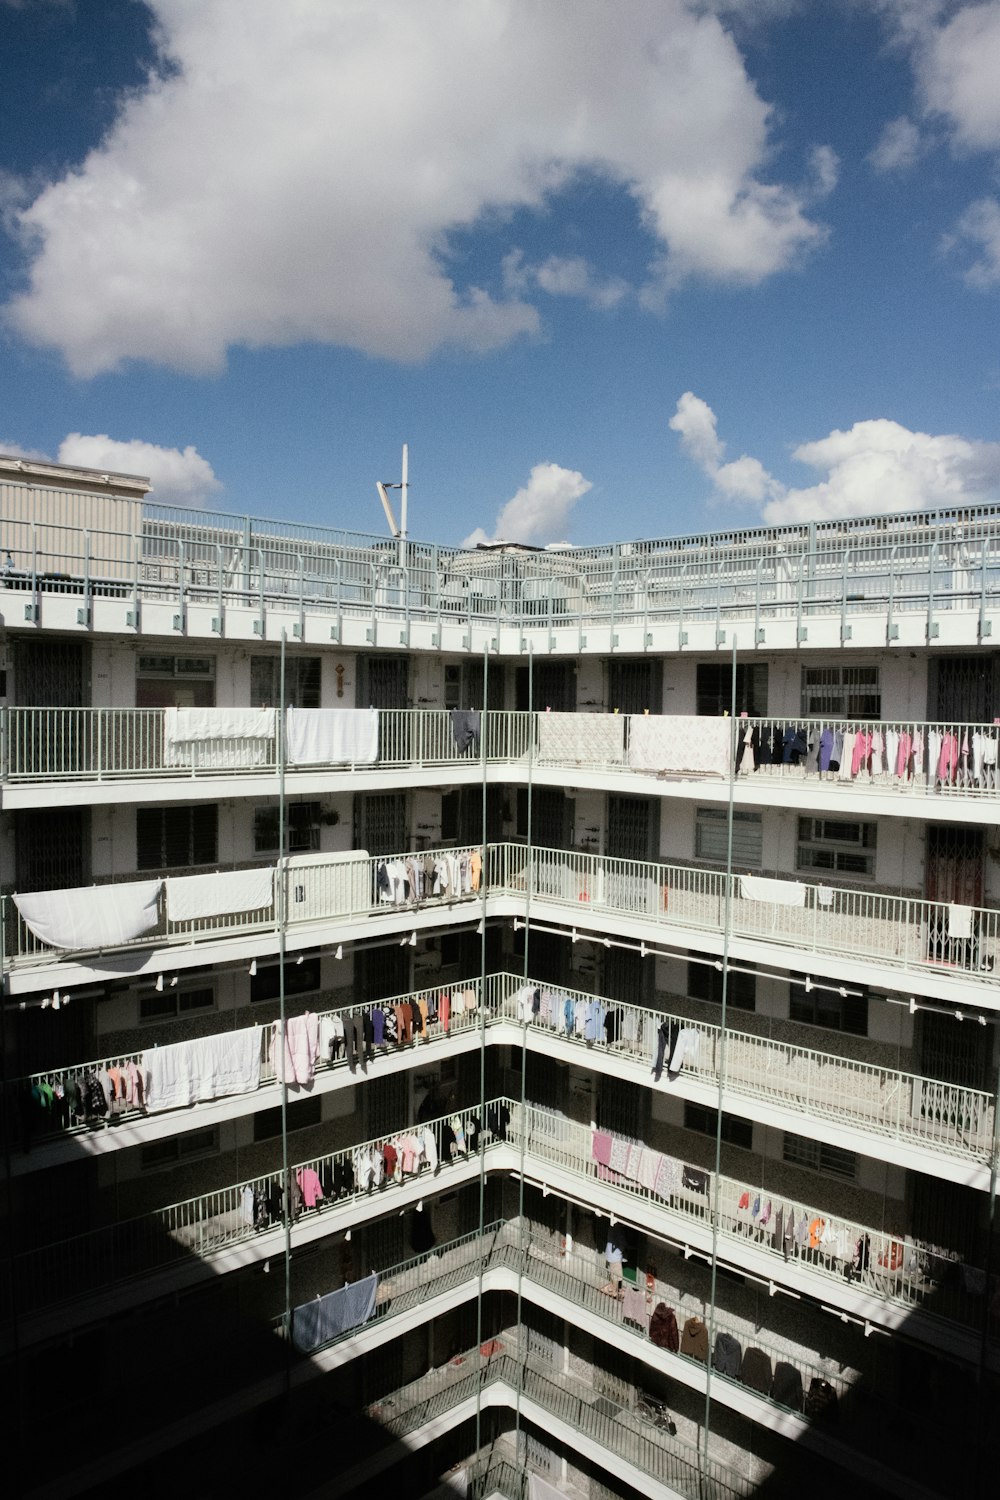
[[94, 1102], [666, 1036], [756, 1371], [354, 1041], [694, 1180], [787, 1386], [794, 745], [742, 747], [728, 1356], [382, 879], [497, 1120], [821, 1402], [611, 1024], [465, 726], [447, 1142]]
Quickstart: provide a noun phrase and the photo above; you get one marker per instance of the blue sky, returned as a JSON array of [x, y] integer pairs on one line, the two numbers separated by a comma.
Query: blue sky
[[610, 270]]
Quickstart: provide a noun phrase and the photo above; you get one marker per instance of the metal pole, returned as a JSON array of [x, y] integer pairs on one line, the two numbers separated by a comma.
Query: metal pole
[[482, 1048], [524, 1042], [726, 929], [403, 504], [282, 913]]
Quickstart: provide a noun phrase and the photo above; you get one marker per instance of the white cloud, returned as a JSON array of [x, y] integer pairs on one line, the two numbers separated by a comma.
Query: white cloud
[[898, 147], [958, 65], [742, 478], [295, 171], [16, 450], [572, 276], [979, 228], [179, 476], [540, 510], [824, 164], [877, 466]]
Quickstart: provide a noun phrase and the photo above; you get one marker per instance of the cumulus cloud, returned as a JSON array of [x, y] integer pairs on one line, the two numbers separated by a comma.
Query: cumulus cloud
[[180, 476], [295, 172], [957, 65], [16, 450], [743, 478], [898, 147], [540, 510], [875, 466]]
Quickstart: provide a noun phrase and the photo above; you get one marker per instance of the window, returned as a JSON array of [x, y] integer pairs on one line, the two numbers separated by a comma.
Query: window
[[300, 979], [178, 1149], [302, 681], [176, 666], [302, 826], [301, 1113], [172, 1001], [704, 982], [171, 838], [803, 1151], [835, 846], [175, 682], [450, 808], [735, 1131], [841, 693], [710, 839], [714, 688], [825, 1007]]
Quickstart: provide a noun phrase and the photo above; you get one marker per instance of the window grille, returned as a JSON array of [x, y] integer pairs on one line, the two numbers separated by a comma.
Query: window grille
[[302, 681], [714, 688], [634, 686], [819, 1006], [179, 1148], [711, 840], [301, 826], [841, 692], [735, 1131], [802, 1151], [382, 826], [704, 982], [172, 838], [633, 828], [836, 846]]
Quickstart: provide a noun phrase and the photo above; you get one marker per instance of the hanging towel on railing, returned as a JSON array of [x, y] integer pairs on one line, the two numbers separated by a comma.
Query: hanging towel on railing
[[192, 896], [91, 916], [959, 921], [779, 892], [581, 739], [207, 727], [328, 736], [295, 1062], [326, 1318], [203, 1068], [679, 743]]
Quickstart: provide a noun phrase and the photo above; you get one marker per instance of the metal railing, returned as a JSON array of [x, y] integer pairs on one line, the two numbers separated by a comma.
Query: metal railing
[[898, 1269], [114, 744], [929, 562], [944, 1118], [900, 932], [309, 891]]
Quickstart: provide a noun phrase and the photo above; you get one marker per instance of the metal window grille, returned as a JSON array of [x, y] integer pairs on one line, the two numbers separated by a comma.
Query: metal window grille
[[710, 838]]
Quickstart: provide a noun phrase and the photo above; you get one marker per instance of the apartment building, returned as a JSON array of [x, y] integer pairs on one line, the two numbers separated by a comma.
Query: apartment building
[[497, 1019]]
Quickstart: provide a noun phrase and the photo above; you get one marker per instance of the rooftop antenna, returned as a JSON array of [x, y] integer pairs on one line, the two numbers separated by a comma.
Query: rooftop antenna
[[383, 487]]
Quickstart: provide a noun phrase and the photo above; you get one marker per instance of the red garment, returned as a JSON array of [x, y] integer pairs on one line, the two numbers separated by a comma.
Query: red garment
[[444, 1011], [389, 1158]]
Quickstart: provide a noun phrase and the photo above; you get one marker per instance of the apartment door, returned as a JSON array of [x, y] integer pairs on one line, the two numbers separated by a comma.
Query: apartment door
[[635, 686], [53, 848], [953, 872], [381, 824], [554, 687], [964, 689], [632, 833], [383, 682], [56, 675]]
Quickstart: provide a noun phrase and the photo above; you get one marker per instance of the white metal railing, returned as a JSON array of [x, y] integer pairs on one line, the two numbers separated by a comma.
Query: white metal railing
[[927, 563], [309, 890], [897, 931], [104, 744], [897, 1268], [946, 1119]]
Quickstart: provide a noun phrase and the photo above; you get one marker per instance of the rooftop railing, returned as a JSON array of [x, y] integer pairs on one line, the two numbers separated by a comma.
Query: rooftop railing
[[943, 1118], [928, 562]]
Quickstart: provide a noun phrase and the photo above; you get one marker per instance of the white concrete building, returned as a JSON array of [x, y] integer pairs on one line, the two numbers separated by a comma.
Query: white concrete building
[[499, 797]]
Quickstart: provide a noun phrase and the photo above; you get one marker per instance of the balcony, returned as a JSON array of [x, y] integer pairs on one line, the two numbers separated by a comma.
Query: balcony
[[797, 758], [941, 1123], [876, 1274], [943, 948]]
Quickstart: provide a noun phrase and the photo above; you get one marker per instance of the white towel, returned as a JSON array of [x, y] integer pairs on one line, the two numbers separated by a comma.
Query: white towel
[[824, 895], [192, 896], [779, 892], [679, 743], [91, 916], [206, 1068], [327, 736], [959, 921], [186, 725]]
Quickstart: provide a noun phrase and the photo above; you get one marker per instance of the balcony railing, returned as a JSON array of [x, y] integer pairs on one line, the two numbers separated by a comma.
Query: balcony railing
[[895, 1268], [112, 744], [308, 890], [898, 932], [943, 1118]]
